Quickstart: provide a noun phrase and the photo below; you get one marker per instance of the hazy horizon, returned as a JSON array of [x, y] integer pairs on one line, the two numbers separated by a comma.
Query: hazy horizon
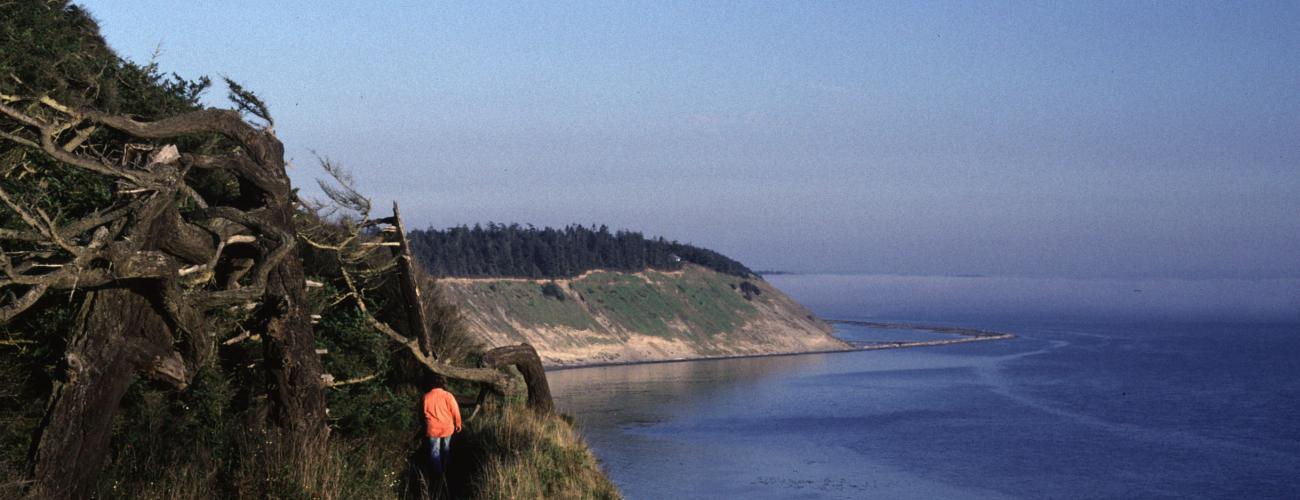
[[1098, 139], [1028, 299]]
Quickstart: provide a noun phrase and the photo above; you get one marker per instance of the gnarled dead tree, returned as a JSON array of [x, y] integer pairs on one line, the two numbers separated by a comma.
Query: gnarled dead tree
[[354, 238], [153, 265]]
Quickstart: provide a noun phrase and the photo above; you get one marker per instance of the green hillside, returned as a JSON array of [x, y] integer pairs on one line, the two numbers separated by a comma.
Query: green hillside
[[600, 315]]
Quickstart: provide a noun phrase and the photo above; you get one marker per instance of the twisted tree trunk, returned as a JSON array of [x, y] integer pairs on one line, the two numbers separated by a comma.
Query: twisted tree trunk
[[296, 391], [121, 334], [524, 358], [154, 275], [293, 368], [126, 327]]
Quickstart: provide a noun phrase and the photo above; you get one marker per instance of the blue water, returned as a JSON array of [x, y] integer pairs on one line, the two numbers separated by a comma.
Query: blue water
[[863, 335], [1084, 409]]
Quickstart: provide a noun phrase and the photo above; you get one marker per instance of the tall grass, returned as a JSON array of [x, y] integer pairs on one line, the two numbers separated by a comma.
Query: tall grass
[[505, 451], [516, 453], [349, 468]]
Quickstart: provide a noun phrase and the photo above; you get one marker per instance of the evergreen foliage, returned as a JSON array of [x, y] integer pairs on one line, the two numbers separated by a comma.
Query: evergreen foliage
[[208, 436], [207, 440], [53, 48], [529, 252]]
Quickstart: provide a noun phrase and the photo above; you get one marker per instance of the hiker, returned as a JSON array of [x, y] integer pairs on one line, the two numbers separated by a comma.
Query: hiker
[[441, 420]]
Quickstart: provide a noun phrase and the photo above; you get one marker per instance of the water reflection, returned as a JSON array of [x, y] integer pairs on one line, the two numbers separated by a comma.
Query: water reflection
[[615, 395], [774, 427]]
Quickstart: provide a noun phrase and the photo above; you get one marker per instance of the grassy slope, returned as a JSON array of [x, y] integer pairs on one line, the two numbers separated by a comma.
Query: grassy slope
[[703, 300], [704, 312], [503, 453], [517, 454], [647, 303]]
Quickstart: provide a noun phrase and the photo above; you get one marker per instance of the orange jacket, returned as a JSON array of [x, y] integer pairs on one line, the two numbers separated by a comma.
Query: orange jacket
[[441, 414]]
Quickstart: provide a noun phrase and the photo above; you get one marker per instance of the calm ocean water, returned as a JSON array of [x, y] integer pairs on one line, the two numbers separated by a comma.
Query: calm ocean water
[[1143, 406]]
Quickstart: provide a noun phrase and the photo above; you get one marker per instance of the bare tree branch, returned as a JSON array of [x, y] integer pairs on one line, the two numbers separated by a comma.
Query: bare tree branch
[[330, 382], [47, 132], [76, 227], [22, 303]]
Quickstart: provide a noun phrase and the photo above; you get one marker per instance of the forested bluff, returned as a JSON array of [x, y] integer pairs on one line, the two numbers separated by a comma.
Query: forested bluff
[[587, 295]]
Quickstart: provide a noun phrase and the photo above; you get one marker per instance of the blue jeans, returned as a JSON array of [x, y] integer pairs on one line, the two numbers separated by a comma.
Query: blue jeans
[[439, 451]]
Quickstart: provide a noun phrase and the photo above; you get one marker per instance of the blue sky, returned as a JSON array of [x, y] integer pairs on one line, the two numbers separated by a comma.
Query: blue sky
[[1076, 139]]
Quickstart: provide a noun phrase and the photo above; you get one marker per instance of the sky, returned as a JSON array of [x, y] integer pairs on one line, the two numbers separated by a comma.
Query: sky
[[1046, 139]]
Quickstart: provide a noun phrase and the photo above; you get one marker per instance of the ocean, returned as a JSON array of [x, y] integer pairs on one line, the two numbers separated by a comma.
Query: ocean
[[1190, 391]]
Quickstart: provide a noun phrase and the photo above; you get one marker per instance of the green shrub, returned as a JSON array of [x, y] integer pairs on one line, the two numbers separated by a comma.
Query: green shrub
[[550, 289]]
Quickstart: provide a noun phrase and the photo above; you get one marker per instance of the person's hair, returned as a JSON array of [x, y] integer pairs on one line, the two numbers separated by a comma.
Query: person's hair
[[434, 381]]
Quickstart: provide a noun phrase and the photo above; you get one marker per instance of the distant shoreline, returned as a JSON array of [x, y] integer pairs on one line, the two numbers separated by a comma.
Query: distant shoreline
[[956, 330], [966, 335]]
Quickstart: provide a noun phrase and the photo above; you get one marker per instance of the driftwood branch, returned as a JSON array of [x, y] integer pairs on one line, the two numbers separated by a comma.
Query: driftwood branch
[[524, 358], [490, 377]]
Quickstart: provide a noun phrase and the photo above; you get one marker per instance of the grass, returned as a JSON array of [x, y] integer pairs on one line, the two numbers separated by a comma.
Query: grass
[[518, 454], [695, 304], [351, 468], [504, 452], [526, 304], [631, 301], [701, 300]]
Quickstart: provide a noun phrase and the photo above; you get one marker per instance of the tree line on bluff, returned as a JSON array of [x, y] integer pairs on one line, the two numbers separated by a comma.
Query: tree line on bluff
[[530, 252]]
